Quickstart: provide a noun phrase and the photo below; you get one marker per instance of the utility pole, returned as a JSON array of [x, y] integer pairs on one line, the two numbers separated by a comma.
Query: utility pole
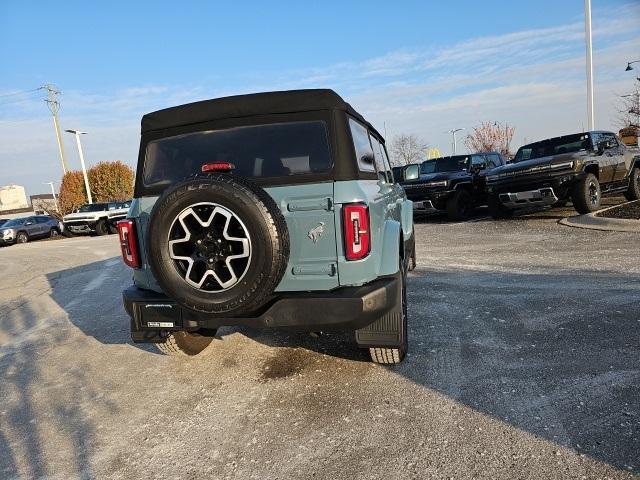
[[54, 106], [587, 32]]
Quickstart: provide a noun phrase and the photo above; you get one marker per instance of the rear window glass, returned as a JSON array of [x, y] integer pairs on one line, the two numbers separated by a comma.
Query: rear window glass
[[260, 151], [553, 146]]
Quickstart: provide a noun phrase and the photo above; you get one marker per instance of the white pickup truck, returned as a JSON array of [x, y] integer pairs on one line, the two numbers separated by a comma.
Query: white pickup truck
[[100, 218]]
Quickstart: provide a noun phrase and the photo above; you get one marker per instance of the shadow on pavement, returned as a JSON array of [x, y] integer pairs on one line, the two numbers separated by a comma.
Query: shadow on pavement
[[555, 354], [44, 419]]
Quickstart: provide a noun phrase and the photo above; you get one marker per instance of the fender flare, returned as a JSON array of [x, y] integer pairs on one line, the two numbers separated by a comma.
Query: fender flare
[[392, 238]]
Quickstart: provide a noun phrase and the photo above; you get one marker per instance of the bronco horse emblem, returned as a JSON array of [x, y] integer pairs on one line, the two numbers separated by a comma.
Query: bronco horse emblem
[[316, 232]]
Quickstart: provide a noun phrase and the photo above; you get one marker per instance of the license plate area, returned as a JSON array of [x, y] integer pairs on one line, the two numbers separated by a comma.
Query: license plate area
[[158, 315]]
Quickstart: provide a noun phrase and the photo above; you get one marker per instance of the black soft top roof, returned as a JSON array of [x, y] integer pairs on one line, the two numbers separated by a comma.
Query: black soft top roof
[[236, 106]]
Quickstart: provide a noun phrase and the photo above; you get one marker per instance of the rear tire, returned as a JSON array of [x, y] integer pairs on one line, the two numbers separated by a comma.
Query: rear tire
[[22, 237], [633, 192], [394, 356], [460, 205], [586, 194], [184, 344], [190, 273], [497, 210], [101, 228], [54, 233]]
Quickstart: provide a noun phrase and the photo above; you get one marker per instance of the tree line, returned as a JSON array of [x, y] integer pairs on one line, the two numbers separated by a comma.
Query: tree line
[[405, 149]]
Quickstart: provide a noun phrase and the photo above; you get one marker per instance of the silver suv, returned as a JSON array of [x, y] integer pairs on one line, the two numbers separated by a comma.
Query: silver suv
[[21, 230]]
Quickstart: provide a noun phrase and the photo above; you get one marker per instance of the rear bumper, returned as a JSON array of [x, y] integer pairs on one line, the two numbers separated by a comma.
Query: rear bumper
[[530, 198], [153, 315]]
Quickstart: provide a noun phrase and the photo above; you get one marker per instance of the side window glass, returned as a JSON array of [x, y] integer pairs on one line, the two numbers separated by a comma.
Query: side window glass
[[364, 152], [387, 163], [41, 219], [494, 161], [385, 175], [612, 139], [477, 159]]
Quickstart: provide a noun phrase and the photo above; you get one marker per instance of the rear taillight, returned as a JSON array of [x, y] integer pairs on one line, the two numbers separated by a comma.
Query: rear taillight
[[357, 233], [128, 243]]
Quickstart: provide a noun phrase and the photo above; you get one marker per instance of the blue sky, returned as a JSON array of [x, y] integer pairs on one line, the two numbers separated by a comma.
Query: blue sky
[[416, 67]]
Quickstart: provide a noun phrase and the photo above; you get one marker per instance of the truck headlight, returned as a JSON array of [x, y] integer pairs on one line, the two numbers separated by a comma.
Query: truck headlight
[[439, 183]]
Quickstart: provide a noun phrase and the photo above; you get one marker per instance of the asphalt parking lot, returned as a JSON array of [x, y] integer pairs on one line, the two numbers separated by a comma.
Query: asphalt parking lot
[[524, 363]]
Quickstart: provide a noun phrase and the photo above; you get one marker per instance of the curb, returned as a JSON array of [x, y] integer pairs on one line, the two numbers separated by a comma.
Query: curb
[[590, 221]]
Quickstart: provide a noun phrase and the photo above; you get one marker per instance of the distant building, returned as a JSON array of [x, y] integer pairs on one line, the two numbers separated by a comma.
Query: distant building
[[13, 197], [43, 203]]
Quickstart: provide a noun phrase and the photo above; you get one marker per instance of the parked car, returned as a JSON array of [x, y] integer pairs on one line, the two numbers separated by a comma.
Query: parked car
[[21, 230], [270, 210], [98, 218], [580, 167], [454, 184]]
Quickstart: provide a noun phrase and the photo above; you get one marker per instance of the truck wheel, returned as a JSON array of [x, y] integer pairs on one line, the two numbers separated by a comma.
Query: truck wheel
[[22, 237], [633, 192], [394, 356], [218, 244], [586, 194], [460, 205], [101, 227], [497, 210], [184, 344]]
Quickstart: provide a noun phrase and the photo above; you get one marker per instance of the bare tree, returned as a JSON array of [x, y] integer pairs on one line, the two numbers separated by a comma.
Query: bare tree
[[490, 137], [407, 148], [629, 107]]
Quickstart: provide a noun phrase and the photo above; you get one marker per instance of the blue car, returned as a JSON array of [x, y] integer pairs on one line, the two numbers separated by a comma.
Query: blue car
[[271, 210]]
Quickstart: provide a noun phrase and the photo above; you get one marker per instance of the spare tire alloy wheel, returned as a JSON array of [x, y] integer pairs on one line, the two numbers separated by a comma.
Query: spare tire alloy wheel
[[218, 245], [210, 246]]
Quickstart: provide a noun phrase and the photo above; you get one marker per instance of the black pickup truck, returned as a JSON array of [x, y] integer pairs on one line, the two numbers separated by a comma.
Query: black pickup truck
[[452, 184], [580, 167]]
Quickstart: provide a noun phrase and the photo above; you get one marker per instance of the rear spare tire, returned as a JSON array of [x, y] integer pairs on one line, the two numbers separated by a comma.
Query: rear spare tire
[[218, 244]]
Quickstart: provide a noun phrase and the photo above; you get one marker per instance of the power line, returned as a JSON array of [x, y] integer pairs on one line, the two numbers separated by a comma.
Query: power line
[[22, 92]]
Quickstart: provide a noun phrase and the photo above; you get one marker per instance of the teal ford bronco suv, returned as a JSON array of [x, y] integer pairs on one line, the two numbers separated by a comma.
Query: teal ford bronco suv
[[268, 210]]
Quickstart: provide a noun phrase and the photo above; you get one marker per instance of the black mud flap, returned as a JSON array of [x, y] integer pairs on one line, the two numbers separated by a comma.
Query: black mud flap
[[387, 331]]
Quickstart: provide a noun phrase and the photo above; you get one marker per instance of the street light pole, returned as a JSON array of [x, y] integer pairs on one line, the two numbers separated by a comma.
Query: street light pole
[[453, 140], [587, 31], [629, 67], [77, 133], [53, 192]]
